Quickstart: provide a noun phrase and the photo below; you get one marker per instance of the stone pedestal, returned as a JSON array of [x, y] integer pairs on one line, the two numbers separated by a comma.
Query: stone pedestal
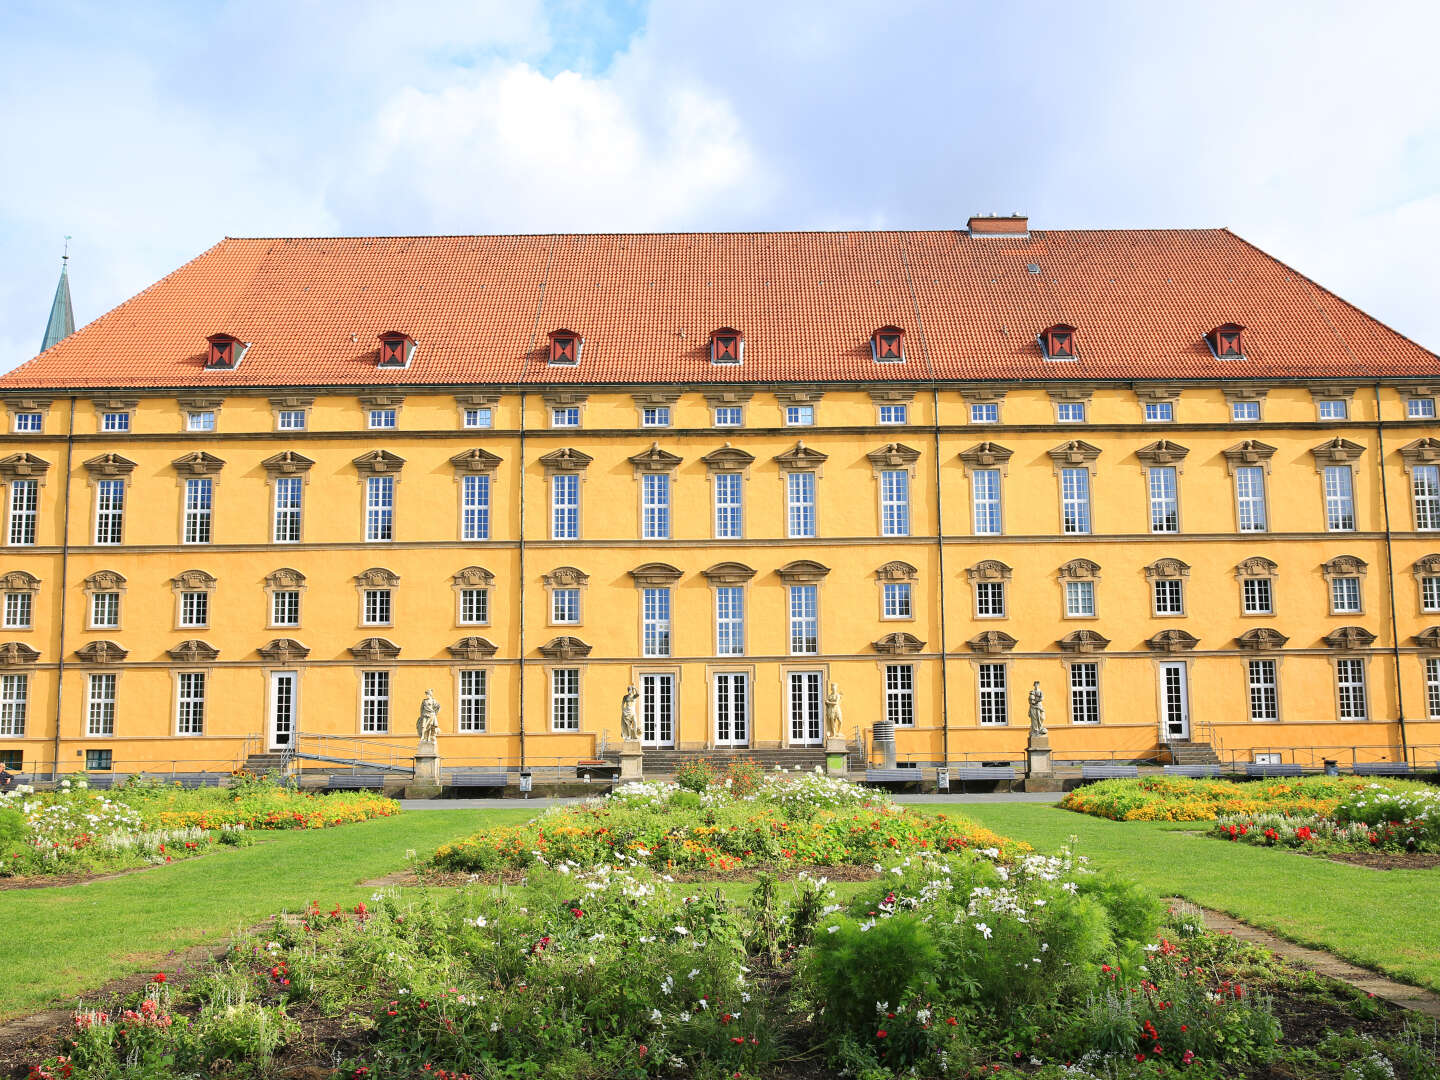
[[427, 764], [1037, 758], [835, 756], [632, 761]]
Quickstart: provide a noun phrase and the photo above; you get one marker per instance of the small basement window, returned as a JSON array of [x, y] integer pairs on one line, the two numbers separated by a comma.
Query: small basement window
[[397, 349], [727, 346], [1058, 342], [225, 352], [887, 345], [565, 346], [1226, 342]]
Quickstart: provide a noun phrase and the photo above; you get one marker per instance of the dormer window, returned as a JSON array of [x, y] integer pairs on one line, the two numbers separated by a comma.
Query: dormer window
[[727, 346], [1226, 342], [565, 346], [397, 349], [888, 345], [225, 353], [1058, 342]]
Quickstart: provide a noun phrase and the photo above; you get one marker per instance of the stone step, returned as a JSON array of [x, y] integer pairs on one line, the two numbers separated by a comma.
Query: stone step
[[263, 763], [663, 762], [1193, 753]]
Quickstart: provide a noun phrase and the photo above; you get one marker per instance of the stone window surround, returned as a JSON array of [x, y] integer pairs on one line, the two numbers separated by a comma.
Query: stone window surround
[[191, 581], [1258, 567], [472, 577], [1343, 566], [1079, 569], [285, 579], [565, 577], [375, 578], [988, 570], [1169, 569], [301, 403], [103, 581]]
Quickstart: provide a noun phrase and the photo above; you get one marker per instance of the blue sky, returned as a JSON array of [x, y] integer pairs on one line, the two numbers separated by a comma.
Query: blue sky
[[150, 130]]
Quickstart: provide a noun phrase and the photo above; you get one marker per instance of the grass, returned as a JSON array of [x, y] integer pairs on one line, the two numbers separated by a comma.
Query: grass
[[1380, 919]]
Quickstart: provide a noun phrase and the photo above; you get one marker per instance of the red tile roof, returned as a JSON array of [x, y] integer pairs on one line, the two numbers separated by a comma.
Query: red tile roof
[[480, 307]]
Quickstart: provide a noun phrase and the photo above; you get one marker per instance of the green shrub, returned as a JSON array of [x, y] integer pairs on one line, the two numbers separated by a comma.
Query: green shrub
[[695, 774]]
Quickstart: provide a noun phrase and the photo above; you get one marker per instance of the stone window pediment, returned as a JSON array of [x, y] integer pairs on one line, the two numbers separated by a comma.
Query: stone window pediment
[[655, 396], [1261, 639], [1349, 637], [1344, 566], [656, 575], [1429, 638], [477, 398], [285, 578], [377, 577], [1071, 393], [1249, 452], [1080, 570], [1336, 451], [1163, 452], [1157, 392], [1167, 568], [655, 460], [891, 395], [472, 648], [193, 581], [992, 642], [1244, 393], [893, 456], [1256, 566], [559, 399], [193, 650], [727, 397], [987, 455], [109, 465], [565, 647], [473, 577], [1076, 452], [801, 457], [388, 399], [565, 577], [15, 653], [899, 643], [105, 581], [566, 459], [199, 402], [24, 466], [198, 463], [799, 395], [1424, 451], [990, 570], [728, 459], [1326, 392], [284, 650], [728, 573], [802, 572], [475, 461], [379, 463], [292, 401], [1172, 641], [286, 463], [983, 395], [896, 570], [1083, 641], [19, 581], [101, 652], [375, 648]]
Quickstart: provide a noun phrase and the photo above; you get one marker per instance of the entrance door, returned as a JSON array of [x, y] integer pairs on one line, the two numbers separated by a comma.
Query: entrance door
[[732, 705], [806, 708], [657, 710], [1174, 701], [282, 709]]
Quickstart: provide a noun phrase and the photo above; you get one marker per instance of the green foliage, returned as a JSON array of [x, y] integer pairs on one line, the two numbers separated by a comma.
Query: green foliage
[[1178, 798], [695, 774]]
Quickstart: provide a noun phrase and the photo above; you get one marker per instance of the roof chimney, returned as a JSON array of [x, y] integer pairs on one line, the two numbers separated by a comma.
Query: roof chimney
[[994, 225]]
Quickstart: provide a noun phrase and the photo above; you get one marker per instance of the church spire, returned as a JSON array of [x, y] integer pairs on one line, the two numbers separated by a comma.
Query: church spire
[[62, 316]]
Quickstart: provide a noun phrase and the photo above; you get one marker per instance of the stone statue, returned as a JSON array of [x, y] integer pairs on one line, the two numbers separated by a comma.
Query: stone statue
[[629, 722], [428, 726], [834, 725], [1037, 711]]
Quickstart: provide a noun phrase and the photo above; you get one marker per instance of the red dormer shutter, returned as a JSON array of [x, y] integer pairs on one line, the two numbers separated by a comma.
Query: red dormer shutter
[[224, 352], [726, 345], [888, 344], [1060, 342], [1228, 341], [562, 349]]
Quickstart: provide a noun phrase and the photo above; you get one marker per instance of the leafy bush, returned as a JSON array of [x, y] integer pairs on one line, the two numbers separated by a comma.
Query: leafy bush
[[1417, 809], [695, 774], [1177, 798]]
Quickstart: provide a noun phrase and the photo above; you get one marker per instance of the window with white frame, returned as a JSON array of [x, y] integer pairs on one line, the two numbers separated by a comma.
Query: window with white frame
[[375, 701], [190, 703], [994, 695], [379, 508], [474, 607], [1264, 696], [984, 412], [655, 416], [1244, 411], [894, 414], [479, 417], [804, 620], [377, 610], [565, 416], [565, 506], [800, 499], [895, 597], [104, 610], [1079, 599], [1169, 596], [290, 420], [1070, 412], [289, 491], [29, 421], [1432, 688], [194, 609], [100, 704], [200, 420], [1332, 409], [1418, 408], [1075, 500], [1339, 499], [1159, 412], [655, 506], [900, 694], [729, 509], [109, 511], [799, 415], [471, 715], [990, 599], [18, 607], [381, 419], [14, 703], [565, 699], [729, 415], [24, 509], [985, 501], [655, 622], [199, 509], [1085, 692], [894, 502], [730, 620], [1430, 594], [1250, 498], [115, 421], [1257, 596], [1350, 689], [1425, 489], [475, 506], [565, 605], [1345, 596], [1164, 499], [285, 607]]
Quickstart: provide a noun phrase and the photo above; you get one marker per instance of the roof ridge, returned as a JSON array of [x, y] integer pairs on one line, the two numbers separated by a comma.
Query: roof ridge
[[726, 232]]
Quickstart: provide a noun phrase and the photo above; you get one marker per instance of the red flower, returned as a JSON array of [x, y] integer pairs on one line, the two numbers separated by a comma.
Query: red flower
[[643, 1049], [577, 913], [159, 977], [951, 1021], [1188, 1057], [1139, 1057], [881, 1033]]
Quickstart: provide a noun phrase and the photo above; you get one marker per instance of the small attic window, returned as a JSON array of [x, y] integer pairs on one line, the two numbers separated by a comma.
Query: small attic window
[[1058, 342], [727, 346], [565, 346], [888, 345], [397, 349], [1226, 341], [225, 352]]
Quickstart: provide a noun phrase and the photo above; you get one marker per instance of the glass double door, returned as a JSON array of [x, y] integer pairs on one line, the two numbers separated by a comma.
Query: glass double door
[[807, 708], [732, 708]]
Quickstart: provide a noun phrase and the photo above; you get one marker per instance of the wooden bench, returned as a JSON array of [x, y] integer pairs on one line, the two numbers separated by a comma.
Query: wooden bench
[[104, 781], [1382, 768], [479, 778], [982, 773], [597, 767], [1196, 771], [1266, 771], [355, 782], [196, 780], [1109, 772], [893, 776]]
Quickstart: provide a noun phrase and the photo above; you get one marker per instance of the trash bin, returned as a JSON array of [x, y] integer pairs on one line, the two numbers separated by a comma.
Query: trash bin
[[882, 734], [1332, 768]]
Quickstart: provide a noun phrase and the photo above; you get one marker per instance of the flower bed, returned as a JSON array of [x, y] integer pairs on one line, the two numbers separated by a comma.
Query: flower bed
[[804, 820], [1175, 798], [1373, 818]]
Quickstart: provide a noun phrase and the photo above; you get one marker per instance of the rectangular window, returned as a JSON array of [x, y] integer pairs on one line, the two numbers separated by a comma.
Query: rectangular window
[[730, 620], [896, 596], [1418, 408], [1264, 701], [1425, 487], [99, 760], [565, 699], [1432, 688], [290, 420], [1430, 594], [804, 620], [655, 506], [729, 513], [24, 508], [1337, 409], [379, 508], [285, 607], [194, 609], [17, 610], [1070, 412], [900, 694], [1258, 597], [990, 599], [895, 502], [115, 421], [799, 415], [109, 511], [655, 416], [479, 418], [190, 703], [100, 705], [200, 420], [1350, 689], [475, 507], [564, 605], [985, 499], [1079, 599], [472, 702], [288, 491], [1075, 500], [894, 414], [382, 418], [655, 620], [104, 610], [1339, 499], [14, 699], [1085, 693], [1169, 596], [565, 416], [1241, 411], [375, 701], [800, 496], [199, 509], [474, 607], [994, 695], [1159, 412], [1250, 498], [1345, 596], [985, 412], [729, 415], [34, 421], [565, 506], [377, 607], [1164, 500]]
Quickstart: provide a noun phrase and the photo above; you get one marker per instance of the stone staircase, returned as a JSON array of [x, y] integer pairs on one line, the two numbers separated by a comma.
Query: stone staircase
[[664, 762], [260, 764], [1185, 752]]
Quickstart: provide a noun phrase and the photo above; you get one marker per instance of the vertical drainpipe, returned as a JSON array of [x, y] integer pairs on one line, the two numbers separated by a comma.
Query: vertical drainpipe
[[64, 586], [940, 550], [1390, 577], [520, 494]]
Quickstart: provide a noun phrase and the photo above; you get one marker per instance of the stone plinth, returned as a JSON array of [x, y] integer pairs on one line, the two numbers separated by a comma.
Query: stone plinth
[[632, 761], [1037, 758], [427, 764], [835, 756]]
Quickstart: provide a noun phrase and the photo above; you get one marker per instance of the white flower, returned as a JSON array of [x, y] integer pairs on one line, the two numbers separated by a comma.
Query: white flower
[[494, 1025], [681, 931], [745, 995], [922, 1015], [985, 930], [693, 973], [703, 1003], [832, 929], [654, 1016], [480, 921], [668, 985], [684, 1017]]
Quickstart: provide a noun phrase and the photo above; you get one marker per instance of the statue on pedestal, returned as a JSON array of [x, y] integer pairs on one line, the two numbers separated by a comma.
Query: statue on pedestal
[[834, 724], [428, 725], [1037, 711], [629, 722]]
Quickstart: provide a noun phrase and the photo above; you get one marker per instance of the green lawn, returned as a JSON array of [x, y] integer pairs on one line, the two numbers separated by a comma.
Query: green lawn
[[1385, 920]]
